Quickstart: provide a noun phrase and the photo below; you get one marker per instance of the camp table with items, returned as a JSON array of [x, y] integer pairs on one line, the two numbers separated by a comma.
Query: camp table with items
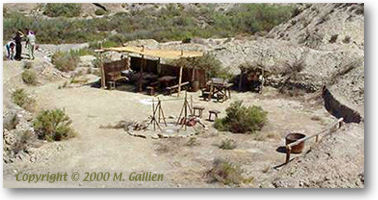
[[218, 88]]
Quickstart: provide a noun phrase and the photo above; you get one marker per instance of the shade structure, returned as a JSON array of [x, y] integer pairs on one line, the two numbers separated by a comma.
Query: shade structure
[[160, 53]]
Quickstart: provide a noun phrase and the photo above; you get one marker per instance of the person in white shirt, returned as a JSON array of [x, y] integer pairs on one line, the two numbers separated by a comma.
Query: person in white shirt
[[30, 43]]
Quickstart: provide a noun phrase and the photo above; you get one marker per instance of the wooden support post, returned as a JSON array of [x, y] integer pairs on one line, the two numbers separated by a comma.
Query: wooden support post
[[191, 103], [241, 79], [140, 82], [186, 110], [153, 112], [180, 79], [103, 82], [263, 80], [159, 110], [288, 151], [211, 91], [162, 112]]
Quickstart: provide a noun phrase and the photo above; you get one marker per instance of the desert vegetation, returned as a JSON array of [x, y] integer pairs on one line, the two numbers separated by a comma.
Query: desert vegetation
[[171, 22], [242, 119], [228, 144], [62, 9], [68, 61], [227, 173], [29, 76], [22, 99], [53, 125], [208, 62]]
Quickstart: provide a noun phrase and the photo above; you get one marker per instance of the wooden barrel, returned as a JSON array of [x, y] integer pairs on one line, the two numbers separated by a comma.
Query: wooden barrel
[[293, 137], [195, 86]]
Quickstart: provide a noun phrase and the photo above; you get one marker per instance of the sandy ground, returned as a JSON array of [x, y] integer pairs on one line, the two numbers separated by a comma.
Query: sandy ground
[[97, 149]]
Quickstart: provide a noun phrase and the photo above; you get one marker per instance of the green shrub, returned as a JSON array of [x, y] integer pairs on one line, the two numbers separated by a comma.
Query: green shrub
[[228, 144], [166, 24], [226, 173], [62, 9], [207, 62], [22, 99], [29, 77], [65, 61], [53, 125], [100, 12], [241, 119]]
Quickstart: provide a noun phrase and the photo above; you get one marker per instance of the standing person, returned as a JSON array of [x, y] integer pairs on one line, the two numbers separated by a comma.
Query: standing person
[[10, 49], [30, 42], [17, 39]]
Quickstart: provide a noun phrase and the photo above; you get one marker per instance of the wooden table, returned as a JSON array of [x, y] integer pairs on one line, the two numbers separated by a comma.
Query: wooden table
[[166, 80], [220, 88]]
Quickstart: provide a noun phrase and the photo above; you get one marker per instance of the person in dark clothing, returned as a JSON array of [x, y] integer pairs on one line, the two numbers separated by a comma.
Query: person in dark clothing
[[17, 39]]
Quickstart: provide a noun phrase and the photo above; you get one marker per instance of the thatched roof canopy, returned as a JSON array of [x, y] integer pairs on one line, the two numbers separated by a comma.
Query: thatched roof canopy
[[159, 53]]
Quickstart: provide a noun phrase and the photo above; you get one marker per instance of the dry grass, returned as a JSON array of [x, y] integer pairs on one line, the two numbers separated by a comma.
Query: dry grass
[[22, 99], [227, 173], [29, 77], [228, 144]]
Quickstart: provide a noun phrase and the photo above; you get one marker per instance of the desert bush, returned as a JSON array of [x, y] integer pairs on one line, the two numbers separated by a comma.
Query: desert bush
[[228, 144], [241, 119], [29, 77], [22, 99], [100, 12], [207, 62], [186, 40], [346, 40], [169, 23], [62, 9], [65, 61], [53, 125], [311, 39], [333, 38], [226, 173]]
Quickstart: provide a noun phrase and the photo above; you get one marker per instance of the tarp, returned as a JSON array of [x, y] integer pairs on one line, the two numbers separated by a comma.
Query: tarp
[[160, 53]]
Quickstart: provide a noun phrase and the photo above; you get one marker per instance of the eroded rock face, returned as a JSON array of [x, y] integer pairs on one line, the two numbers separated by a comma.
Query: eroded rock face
[[18, 133], [329, 25]]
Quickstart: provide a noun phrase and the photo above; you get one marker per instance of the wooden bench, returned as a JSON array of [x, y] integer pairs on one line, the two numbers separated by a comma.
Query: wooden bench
[[113, 72], [171, 89], [213, 112]]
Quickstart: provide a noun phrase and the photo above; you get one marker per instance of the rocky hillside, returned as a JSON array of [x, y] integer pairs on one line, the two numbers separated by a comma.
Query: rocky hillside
[[324, 26]]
